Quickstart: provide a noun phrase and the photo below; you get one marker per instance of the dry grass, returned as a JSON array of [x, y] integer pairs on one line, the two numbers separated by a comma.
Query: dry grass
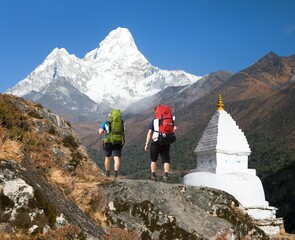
[[88, 171], [10, 149], [84, 191], [60, 178], [39, 149], [92, 201], [14, 236], [63, 233], [118, 233], [285, 236]]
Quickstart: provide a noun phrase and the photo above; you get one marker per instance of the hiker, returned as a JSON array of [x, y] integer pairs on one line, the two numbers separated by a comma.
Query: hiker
[[161, 135], [113, 141]]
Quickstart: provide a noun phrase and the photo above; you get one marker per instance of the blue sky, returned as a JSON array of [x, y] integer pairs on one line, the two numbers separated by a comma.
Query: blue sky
[[198, 36]]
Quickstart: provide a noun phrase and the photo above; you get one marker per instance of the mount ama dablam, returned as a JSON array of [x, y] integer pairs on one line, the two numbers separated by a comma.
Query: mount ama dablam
[[114, 75]]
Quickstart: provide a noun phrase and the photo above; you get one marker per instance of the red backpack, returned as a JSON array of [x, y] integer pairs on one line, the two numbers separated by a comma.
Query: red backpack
[[165, 120]]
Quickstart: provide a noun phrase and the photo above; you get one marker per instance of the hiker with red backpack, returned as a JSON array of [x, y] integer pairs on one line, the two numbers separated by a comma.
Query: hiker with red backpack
[[161, 135], [114, 140]]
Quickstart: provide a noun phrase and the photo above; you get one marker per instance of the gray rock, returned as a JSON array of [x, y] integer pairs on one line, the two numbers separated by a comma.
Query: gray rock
[[173, 211]]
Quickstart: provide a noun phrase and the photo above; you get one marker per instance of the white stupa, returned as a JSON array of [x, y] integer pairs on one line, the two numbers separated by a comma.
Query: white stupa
[[222, 163]]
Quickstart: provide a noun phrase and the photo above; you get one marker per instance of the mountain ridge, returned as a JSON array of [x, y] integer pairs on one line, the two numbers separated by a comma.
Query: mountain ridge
[[115, 73]]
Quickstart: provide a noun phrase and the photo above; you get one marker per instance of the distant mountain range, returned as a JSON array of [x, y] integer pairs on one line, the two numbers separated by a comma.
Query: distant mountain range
[[114, 75]]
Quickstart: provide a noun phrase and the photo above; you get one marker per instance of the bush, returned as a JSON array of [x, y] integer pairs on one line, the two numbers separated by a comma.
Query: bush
[[69, 124], [35, 114], [39, 105], [63, 233], [12, 119], [70, 141], [52, 131]]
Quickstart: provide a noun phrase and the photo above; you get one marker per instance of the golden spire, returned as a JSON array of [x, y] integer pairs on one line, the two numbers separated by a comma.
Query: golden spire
[[220, 103]]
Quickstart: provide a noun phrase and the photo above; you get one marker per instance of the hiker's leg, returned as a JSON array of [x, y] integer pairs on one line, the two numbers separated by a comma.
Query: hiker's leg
[[153, 171], [117, 148], [117, 157], [116, 163], [108, 158], [153, 167], [166, 167], [165, 154], [154, 154], [107, 163]]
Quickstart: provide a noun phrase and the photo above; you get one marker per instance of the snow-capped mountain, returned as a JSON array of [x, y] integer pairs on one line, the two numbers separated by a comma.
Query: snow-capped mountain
[[115, 73]]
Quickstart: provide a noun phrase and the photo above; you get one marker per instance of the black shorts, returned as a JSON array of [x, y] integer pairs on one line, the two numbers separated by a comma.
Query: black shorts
[[114, 150], [163, 150]]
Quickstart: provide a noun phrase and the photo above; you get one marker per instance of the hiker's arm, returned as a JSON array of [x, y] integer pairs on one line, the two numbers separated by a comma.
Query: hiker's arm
[[148, 139], [100, 131]]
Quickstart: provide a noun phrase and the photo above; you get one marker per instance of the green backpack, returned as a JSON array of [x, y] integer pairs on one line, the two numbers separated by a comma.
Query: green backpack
[[116, 128]]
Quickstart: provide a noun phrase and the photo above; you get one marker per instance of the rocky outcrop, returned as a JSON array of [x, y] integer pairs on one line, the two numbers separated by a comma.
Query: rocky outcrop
[[158, 210], [31, 204]]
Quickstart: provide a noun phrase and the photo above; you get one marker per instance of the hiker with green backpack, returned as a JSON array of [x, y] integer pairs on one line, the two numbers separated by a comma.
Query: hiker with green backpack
[[114, 140]]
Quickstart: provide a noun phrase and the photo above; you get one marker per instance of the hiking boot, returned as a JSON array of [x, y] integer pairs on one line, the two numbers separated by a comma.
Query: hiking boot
[[107, 173], [116, 174], [153, 178], [165, 178]]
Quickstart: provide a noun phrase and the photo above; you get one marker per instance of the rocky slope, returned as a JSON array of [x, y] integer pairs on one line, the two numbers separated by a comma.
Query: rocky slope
[[50, 189]]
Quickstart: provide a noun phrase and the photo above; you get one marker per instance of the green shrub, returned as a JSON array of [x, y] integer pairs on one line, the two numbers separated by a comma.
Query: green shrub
[[12, 119], [69, 124], [35, 114], [52, 131], [69, 141], [39, 105]]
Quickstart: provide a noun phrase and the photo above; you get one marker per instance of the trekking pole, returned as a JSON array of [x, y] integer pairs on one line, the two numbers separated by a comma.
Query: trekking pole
[[100, 148]]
